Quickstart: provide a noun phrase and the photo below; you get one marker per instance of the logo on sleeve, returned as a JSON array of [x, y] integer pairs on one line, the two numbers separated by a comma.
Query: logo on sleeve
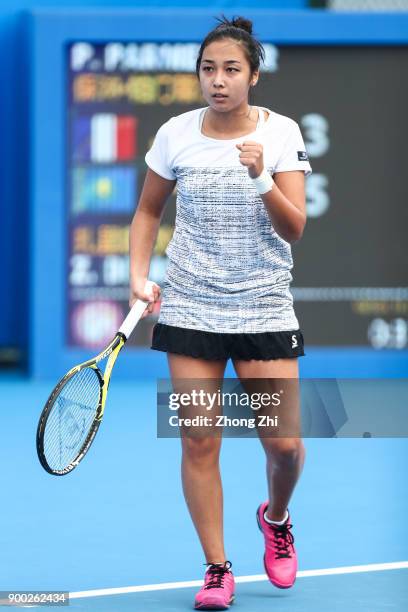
[[302, 156]]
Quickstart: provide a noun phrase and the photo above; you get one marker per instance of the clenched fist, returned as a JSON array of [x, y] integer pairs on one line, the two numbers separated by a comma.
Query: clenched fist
[[251, 156]]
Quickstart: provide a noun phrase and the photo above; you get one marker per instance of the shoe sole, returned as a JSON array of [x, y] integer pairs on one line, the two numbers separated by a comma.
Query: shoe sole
[[214, 606], [278, 586]]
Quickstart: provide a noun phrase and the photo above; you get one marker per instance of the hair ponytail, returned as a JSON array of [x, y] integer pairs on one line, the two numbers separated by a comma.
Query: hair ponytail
[[239, 29]]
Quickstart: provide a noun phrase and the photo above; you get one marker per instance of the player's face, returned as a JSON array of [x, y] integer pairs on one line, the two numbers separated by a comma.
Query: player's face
[[225, 75]]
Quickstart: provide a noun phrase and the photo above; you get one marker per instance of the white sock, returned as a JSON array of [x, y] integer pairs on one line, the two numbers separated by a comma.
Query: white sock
[[268, 520]]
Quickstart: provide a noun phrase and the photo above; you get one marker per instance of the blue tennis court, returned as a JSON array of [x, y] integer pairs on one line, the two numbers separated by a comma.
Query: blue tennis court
[[119, 522]]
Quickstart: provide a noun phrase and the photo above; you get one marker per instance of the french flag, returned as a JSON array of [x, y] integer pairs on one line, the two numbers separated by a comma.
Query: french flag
[[105, 138]]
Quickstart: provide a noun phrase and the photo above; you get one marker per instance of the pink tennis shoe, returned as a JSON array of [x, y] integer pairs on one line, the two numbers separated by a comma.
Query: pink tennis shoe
[[280, 559], [217, 592]]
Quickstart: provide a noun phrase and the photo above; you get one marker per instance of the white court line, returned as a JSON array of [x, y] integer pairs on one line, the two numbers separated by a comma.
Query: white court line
[[163, 586]]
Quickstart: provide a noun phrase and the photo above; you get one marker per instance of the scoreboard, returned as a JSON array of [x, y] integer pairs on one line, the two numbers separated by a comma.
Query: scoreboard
[[350, 272]]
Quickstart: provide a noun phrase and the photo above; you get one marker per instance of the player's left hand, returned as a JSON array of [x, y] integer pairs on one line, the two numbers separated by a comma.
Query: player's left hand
[[251, 156]]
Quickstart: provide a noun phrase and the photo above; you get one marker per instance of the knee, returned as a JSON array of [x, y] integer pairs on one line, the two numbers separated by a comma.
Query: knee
[[201, 450], [284, 450]]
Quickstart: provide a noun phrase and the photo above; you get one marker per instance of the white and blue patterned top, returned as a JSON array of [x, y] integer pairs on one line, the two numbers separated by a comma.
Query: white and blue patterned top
[[228, 270]]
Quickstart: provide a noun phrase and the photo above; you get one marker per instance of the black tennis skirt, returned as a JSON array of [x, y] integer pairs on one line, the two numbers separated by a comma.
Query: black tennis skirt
[[212, 345]]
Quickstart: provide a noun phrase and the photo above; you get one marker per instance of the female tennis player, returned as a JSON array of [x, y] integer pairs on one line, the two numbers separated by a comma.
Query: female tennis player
[[240, 173]]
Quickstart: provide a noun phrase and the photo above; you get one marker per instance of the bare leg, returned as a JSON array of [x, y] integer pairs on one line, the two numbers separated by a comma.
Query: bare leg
[[200, 460], [284, 455]]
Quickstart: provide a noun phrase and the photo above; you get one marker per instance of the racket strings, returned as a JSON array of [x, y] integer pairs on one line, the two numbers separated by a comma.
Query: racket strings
[[71, 418]]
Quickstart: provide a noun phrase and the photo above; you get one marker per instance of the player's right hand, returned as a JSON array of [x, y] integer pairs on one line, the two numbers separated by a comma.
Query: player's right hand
[[148, 291]]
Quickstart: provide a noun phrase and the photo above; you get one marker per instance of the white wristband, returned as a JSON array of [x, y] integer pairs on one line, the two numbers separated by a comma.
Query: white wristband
[[263, 183]]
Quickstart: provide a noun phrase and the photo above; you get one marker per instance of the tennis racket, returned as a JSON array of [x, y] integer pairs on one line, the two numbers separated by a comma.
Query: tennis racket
[[74, 410]]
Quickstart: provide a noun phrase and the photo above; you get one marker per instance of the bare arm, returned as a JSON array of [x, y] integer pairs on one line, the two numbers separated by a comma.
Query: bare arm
[[286, 201], [143, 233], [286, 204]]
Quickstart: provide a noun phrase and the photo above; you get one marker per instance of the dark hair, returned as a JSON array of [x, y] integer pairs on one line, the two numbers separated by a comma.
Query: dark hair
[[239, 29]]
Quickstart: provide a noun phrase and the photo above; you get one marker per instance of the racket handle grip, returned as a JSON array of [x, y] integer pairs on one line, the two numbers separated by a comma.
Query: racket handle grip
[[133, 318]]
